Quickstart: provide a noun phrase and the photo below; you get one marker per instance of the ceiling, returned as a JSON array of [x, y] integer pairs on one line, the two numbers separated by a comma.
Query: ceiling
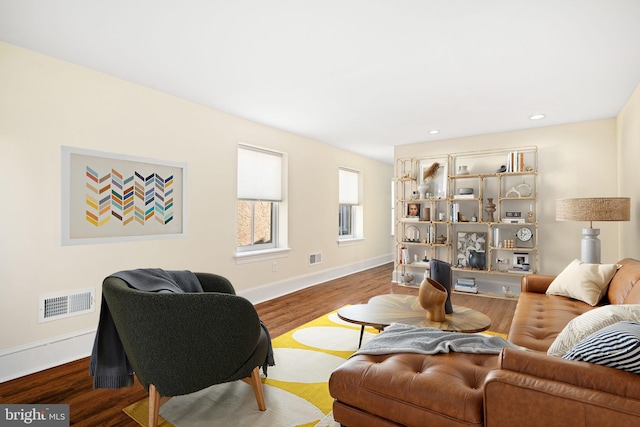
[[363, 75]]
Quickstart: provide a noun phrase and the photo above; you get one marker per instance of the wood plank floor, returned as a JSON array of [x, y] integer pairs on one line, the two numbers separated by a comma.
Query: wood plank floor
[[71, 384]]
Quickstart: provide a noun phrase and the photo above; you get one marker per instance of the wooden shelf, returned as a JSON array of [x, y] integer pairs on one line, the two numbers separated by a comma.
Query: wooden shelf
[[488, 295], [486, 183]]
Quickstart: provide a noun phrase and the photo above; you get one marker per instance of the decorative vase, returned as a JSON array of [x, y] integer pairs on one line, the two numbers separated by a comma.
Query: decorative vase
[[423, 188], [462, 170], [432, 297], [490, 208], [477, 259]]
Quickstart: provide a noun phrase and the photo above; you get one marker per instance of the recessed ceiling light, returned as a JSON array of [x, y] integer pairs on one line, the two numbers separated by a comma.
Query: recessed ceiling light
[[537, 117], [433, 132]]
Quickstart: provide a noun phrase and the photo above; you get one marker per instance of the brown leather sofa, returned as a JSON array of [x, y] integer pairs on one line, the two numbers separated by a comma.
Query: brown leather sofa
[[515, 388]]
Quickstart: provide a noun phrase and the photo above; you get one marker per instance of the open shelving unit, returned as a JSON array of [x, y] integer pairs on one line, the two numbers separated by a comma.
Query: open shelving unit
[[481, 204]]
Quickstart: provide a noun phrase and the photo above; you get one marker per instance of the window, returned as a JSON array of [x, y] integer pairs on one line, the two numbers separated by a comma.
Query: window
[[256, 221], [349, 210], [346, 223], [259, 198]]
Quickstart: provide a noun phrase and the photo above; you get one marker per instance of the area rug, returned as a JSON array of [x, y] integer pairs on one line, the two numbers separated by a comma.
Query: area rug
[[296, 390]]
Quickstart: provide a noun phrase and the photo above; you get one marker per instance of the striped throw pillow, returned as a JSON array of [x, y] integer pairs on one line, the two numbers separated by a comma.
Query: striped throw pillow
[[616, 346], [592, 321]]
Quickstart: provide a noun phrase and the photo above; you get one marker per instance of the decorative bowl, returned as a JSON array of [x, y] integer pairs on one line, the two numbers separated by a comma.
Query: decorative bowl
[[465, 191]]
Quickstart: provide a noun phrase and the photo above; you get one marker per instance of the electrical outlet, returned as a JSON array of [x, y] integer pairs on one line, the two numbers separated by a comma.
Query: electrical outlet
[[274, 267]]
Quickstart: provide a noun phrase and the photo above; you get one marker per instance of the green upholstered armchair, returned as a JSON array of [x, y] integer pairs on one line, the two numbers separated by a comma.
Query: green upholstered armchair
[[179, 343]]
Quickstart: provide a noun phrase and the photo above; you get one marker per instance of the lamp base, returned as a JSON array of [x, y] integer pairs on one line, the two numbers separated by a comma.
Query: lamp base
[[590, 246]]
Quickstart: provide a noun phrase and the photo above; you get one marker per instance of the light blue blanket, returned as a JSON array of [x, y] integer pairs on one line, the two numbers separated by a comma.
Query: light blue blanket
[[401, 338]]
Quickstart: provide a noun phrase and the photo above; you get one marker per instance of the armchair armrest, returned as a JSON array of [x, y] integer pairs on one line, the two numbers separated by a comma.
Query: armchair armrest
[[571, 392], [214, 283], [537, 283]]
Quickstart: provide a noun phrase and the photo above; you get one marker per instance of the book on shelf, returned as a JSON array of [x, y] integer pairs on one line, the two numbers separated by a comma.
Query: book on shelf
[[467, 289], [466, 284], [411, 219], [455, 212], [463, 285], [464, 196], [515, 161], [513, 220], [421, 263]]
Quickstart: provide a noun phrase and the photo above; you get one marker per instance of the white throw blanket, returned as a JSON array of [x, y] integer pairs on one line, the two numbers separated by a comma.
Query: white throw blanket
[[401, 338]]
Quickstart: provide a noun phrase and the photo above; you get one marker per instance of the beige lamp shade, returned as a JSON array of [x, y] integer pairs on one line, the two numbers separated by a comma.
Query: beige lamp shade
[[594, 209]]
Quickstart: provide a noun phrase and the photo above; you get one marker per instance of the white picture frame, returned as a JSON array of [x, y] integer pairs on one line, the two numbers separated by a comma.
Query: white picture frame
[[438, 188], [108, 197], [520, 258]]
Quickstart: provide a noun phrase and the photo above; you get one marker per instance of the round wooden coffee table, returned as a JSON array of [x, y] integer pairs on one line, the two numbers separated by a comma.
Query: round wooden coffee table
[[383, 310]]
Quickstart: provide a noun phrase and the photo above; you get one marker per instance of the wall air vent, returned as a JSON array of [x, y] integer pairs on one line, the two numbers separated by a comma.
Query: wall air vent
[[65, 304], [315, 258]]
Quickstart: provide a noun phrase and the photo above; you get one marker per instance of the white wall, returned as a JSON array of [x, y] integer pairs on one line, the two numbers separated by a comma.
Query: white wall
[[629, 175], [47, 103], [575, 160]]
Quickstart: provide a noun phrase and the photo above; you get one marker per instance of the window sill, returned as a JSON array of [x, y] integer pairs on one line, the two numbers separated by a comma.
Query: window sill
[[263, 255], [350, 242]]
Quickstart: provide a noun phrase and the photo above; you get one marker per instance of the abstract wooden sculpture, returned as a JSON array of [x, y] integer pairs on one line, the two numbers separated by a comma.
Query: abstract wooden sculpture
[[432, 296]]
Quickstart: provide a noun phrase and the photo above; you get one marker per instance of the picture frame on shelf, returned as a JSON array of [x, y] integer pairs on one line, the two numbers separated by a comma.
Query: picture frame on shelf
[[466, 242], [413, 210], [438, 182], [520, 259]]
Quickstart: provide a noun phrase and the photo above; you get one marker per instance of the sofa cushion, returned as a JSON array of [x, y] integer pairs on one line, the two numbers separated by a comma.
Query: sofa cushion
[[414, 389], [539, 318], [583, 281], [590, 322], [616, 346]]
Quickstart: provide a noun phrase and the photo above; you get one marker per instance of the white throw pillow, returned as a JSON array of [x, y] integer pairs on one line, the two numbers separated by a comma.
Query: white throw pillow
[[584, 282], [592, 321]]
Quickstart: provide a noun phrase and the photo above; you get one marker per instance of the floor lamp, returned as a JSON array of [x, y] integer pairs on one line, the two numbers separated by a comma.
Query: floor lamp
[[593, 209]]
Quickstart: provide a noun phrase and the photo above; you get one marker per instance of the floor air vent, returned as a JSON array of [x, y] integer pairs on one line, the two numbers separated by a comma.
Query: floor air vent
[[315, 258], [66, 304]]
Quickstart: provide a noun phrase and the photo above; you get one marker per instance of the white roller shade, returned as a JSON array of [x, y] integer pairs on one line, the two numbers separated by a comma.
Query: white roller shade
[[259, 175], [349, 193]]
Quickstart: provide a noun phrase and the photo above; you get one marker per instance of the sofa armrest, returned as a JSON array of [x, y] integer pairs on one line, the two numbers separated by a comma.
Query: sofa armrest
[[581, 374], [537, 283], [571, 393]]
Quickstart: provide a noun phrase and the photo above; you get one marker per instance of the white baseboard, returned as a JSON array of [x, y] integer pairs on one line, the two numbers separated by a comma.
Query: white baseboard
[[283, 287], [24, 360]]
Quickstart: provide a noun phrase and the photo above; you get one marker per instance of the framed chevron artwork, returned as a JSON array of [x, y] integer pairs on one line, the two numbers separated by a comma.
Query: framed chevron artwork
[[110, 197]]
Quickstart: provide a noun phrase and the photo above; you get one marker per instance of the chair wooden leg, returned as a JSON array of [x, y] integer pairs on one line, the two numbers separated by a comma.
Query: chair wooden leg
[[155, 402], [254, 381], [154, 405]]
